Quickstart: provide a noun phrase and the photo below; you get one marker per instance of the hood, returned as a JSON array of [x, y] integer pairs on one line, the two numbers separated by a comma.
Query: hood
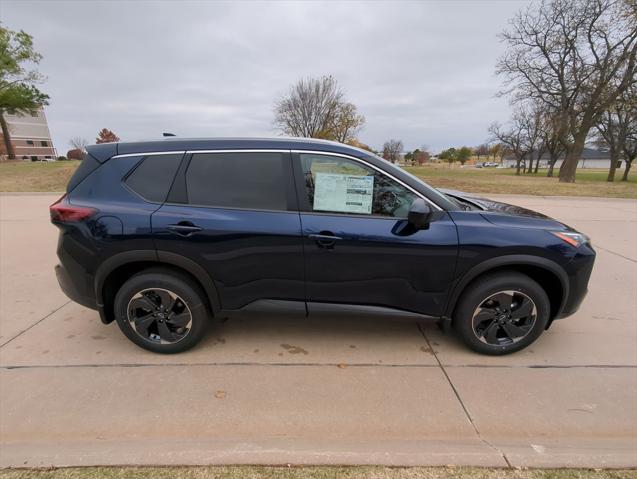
[[486, 204], [504, 214]]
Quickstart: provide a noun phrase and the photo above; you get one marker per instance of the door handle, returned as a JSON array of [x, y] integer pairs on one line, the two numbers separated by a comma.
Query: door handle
[[183, 228], [325, 239]]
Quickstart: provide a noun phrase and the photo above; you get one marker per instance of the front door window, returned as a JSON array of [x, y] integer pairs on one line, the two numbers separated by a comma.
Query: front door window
[[339, 185]]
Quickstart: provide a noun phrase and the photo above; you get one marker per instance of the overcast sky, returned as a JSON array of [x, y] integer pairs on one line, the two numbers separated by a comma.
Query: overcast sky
[[422, 72]]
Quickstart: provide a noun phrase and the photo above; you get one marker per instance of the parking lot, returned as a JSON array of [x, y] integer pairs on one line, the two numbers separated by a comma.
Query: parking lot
[[317, 391]]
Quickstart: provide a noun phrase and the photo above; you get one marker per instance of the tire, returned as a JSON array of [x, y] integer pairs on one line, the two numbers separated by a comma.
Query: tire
[[177, 327], [486, 322]]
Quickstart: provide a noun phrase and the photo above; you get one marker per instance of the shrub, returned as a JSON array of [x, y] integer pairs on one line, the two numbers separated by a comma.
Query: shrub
[[75, 154]]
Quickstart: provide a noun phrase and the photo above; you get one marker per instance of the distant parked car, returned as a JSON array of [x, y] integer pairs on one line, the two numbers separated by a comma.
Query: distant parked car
[[161, 236]]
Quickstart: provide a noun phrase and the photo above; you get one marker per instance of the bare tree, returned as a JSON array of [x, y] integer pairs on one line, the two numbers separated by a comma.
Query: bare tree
[[511, 138], [616, 127], [315, 108], [576, 57], [79, 143], [522, 136], [630, 150], [392, 150], [551, 131], [422, 155], [482, 150], [495, 150]]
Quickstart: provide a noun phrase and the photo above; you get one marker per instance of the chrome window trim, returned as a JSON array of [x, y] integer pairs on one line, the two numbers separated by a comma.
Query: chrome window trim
[[271, 150], [154, 153], [243, 150], [380, 170]]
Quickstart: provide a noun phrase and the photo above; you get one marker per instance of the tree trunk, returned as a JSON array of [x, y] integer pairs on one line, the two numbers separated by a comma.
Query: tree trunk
[[517, 171], [537, 164], [6, 135], [629, 163], [552, 162], [571, 159], [614, 157]]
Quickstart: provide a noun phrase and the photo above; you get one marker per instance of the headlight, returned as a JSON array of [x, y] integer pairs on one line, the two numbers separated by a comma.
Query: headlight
[[572, 238]]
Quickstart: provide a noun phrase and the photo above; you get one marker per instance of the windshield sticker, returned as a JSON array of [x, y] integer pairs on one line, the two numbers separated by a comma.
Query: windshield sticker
[[343, 193]]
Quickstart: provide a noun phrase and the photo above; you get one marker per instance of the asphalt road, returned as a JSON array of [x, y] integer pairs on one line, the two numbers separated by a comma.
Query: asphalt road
[[323, 391]]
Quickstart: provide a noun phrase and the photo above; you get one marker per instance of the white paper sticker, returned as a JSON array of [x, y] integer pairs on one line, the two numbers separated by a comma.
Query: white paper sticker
[[343, 193]]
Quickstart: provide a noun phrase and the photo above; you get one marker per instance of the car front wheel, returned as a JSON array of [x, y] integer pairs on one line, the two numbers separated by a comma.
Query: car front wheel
[[501, 313]]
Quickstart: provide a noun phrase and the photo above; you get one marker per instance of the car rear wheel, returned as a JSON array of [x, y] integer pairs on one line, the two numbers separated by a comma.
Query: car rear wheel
[[501, 313], [162, 311]]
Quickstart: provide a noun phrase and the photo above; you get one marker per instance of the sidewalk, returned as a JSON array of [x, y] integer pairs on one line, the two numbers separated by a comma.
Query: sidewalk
[[319, 391]]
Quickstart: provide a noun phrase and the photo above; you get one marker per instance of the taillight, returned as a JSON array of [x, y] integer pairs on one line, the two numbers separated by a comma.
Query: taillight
[[63, 211]]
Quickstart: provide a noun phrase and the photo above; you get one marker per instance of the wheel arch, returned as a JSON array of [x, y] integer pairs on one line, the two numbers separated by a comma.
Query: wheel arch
[[118, 268], [548, 274]]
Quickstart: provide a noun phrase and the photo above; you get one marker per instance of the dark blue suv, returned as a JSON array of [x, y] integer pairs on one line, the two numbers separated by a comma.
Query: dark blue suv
[[161, 236]]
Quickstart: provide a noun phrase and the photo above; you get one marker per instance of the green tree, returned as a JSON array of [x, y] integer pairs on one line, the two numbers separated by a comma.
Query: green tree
[[449, 155], [18, 93], [463, 154]]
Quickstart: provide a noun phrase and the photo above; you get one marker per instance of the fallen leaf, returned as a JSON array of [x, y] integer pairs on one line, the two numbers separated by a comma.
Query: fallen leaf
[[341, 366], [220, 394]]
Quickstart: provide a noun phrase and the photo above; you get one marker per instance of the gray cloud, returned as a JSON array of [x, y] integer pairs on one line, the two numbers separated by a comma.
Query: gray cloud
[[419, 71]]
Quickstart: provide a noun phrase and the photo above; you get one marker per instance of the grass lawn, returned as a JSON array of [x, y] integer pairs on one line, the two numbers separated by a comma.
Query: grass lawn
[[362, 472], [36, 175], [503, 180], [42, 176]]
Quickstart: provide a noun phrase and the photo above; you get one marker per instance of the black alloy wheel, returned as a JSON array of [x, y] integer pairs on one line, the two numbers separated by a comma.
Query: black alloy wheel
[[159, 315], [504, 318]]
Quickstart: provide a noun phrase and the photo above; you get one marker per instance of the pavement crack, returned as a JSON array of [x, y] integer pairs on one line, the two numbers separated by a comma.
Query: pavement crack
[[34, 324], [616, 254], [296, 364], [462, 404], [220, 364]]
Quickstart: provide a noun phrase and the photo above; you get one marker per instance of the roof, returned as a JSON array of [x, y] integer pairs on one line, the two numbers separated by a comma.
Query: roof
[[104, 151]]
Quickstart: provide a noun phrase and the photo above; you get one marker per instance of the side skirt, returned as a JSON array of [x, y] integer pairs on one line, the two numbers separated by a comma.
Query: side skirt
[[300, 309]]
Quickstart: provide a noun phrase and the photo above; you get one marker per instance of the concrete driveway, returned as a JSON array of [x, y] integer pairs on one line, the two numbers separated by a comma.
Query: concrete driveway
[[324, 391]]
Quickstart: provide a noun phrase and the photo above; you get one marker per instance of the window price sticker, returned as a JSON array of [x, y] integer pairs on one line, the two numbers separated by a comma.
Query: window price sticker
[[343, 193]]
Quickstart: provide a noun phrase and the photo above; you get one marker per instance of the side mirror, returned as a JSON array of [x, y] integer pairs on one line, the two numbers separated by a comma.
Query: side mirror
[[419, 213]]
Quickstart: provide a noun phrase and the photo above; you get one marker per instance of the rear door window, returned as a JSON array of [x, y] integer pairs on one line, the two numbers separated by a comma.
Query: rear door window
[[151, 179], [245, 180]]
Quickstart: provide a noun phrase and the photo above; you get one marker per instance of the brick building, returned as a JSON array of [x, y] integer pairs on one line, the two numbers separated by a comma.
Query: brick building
[[30, 137]]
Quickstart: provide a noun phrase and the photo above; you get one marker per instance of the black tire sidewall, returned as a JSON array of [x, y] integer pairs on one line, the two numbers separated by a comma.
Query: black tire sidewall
[[484, 287], [184, 288]]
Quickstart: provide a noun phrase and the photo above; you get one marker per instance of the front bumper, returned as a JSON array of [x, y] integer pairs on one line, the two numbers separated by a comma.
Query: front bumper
[[579, 273]]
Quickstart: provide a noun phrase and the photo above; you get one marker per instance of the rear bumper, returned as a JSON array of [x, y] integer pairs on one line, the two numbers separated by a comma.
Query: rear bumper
[[75, 292]]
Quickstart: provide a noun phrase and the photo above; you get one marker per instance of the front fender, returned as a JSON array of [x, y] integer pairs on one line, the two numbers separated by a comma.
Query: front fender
[[503, 261]]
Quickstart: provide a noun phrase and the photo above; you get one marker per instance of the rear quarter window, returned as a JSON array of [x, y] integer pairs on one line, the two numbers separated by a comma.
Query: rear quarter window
[[88, 166], [151, 179]]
